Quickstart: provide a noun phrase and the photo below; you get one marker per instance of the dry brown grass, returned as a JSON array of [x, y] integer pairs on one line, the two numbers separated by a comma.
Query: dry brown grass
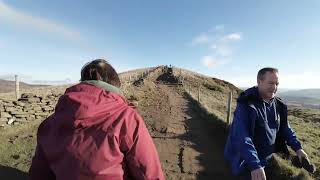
[[18, 143], [213, 92]]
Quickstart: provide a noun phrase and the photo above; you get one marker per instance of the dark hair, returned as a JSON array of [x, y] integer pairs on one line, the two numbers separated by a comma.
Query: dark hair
[[263, 71], [100, 69]]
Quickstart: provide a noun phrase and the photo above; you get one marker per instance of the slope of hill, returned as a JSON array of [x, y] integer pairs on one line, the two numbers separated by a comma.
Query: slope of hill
[[187, 123], [305, 98], [309, 93], [302, 101]]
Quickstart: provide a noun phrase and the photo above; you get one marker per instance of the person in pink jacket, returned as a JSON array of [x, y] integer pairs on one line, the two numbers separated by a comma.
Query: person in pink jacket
[[95, 134]]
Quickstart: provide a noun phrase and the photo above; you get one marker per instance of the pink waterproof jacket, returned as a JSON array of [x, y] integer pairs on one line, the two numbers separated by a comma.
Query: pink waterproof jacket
[[94, 134]]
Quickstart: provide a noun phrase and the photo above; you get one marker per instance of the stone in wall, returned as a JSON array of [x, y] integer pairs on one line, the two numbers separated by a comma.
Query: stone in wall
[[5, 115], [29, 107]]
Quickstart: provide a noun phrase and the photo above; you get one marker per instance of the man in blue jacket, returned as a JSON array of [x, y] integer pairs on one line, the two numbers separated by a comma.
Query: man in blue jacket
[[259, 128]]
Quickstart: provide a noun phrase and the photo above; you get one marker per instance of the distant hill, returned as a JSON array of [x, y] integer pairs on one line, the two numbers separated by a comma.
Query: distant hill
[[308, 93], [9, 86], [304, 97]]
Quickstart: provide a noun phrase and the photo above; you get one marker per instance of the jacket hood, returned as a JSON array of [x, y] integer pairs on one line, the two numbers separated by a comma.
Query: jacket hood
[[252, 94], [249, 94], [87, 104]]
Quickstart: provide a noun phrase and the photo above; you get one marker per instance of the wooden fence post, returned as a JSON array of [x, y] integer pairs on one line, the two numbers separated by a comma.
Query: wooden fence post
[[199, 93], [229, 109], [17, 87]]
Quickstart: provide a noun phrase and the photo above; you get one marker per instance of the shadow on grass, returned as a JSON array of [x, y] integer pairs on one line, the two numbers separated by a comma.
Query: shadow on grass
[[208, 134], [9, 173], [215, 129]]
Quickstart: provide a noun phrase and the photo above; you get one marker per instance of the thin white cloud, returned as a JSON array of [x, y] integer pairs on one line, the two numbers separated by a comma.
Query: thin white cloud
[[201, 39], [220, 45], [209, 61], [232, 37], [211, 38], [12, 15], [222, 50]]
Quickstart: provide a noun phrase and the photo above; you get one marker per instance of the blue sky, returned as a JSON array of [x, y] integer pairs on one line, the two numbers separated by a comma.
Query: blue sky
[[228, 39]]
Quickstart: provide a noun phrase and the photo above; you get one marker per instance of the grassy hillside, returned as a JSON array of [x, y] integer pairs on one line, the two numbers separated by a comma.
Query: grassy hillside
[[160, 105]]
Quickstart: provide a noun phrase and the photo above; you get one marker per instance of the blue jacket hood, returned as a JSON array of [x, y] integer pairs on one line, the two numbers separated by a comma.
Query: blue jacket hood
[[249, 94]]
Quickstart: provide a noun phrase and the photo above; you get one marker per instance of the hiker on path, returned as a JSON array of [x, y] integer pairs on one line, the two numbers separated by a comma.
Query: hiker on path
[[260, 127], [95, 134]]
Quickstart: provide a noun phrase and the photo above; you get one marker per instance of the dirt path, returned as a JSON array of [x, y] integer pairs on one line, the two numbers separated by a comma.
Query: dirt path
[[190, 141], [189, 145]]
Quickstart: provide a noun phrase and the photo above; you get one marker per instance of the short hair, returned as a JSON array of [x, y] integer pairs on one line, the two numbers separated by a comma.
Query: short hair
[[100, 69], [263, 71]]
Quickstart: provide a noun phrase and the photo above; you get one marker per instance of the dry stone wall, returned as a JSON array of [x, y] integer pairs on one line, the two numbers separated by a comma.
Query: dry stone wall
[[40, 103], [28, 108]]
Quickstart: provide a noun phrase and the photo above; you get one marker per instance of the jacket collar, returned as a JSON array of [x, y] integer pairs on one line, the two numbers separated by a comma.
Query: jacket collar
[[104, 85], [251, 94]]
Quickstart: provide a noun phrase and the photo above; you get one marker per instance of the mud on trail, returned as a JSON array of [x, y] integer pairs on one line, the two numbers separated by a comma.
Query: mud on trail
[[189, 144]]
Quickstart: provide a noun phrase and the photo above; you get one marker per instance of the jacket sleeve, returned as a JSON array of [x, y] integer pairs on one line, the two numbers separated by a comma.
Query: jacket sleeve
[[242, 136], [140, 152], [291, 138], [40, 169]]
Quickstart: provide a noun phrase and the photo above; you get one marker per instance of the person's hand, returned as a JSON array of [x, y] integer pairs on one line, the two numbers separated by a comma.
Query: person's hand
[[258, 174], [305, 162], [301, 154]]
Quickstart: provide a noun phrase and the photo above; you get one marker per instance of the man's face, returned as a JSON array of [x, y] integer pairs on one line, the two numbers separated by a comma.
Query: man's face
[[268, 86]]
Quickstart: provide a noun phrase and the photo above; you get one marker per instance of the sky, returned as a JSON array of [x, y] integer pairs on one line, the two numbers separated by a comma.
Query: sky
[[49, 41]]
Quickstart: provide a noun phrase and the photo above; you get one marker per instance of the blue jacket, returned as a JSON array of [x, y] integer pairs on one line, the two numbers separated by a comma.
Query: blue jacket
[[258, 130]]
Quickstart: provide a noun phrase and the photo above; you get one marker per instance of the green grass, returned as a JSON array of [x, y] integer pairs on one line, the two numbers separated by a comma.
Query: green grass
[[282, 169], [18, 142], [304, 122], [17, 145], [213, 87], [308, 132]]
